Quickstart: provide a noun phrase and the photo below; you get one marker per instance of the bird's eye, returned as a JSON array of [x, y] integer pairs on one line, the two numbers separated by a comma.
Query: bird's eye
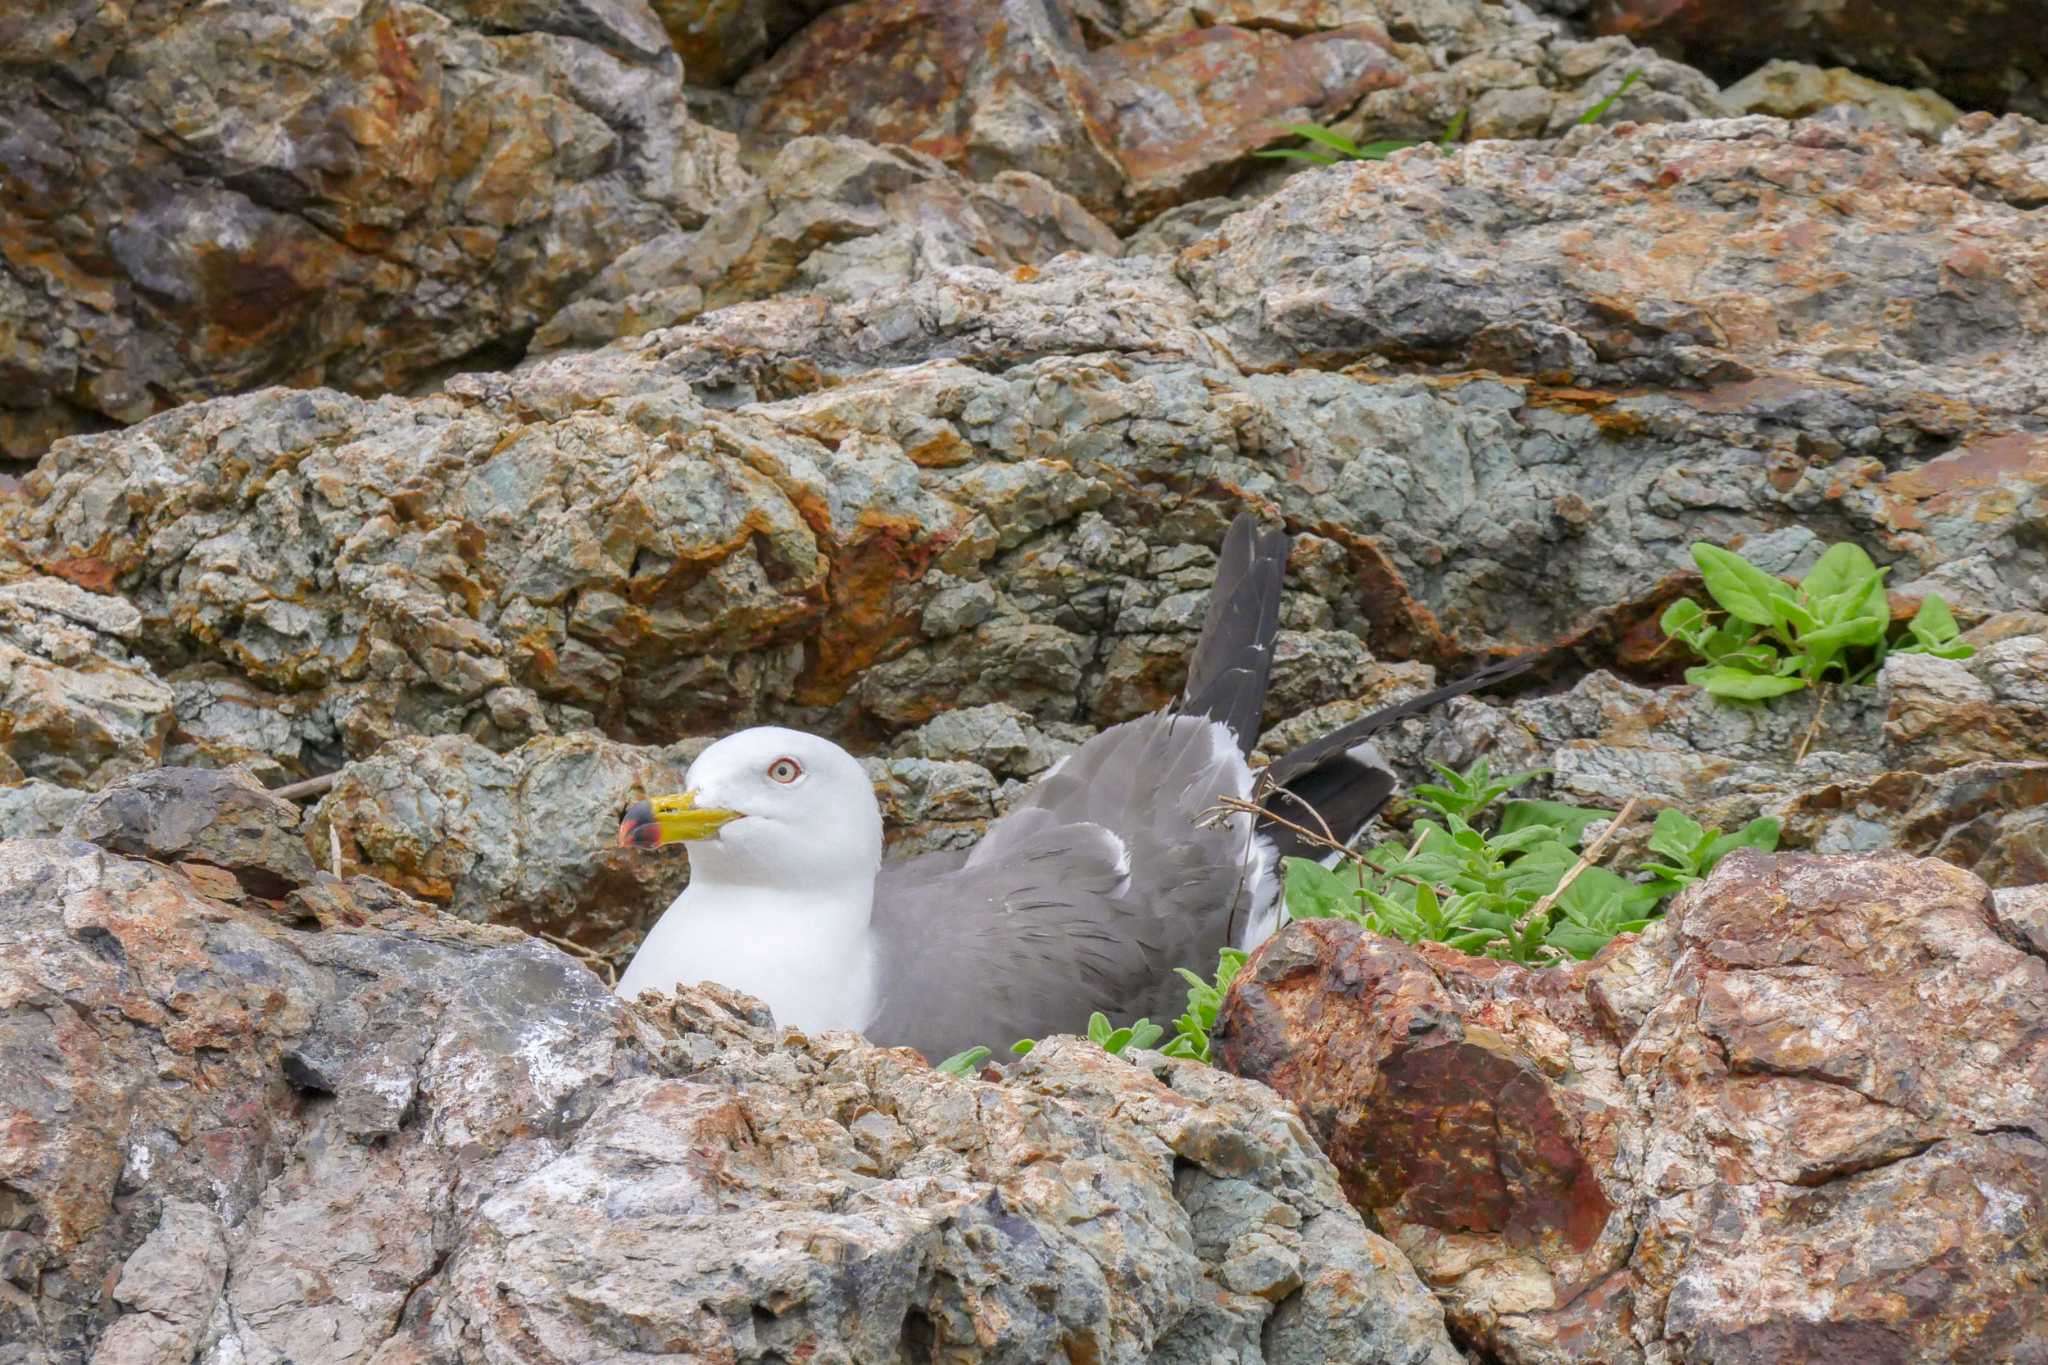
[[785, 770]]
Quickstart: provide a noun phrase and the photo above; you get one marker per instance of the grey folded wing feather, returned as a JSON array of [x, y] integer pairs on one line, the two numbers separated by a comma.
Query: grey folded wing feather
[[1083, 898]]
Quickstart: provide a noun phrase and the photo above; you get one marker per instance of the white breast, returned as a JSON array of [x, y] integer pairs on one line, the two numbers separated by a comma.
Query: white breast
[[803, 960]]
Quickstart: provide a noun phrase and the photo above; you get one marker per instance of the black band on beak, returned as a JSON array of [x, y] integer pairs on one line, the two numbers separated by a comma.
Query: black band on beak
[[637, 828]]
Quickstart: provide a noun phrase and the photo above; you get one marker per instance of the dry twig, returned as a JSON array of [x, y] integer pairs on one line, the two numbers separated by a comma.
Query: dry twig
[[1586, 860], [311, 787], [1827, 690], [1230, 804]]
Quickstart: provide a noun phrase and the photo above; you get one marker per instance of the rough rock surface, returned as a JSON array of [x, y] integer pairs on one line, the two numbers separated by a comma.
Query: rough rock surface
[[198, 199], [978, 487], [1796, 89], [36, 808], [836, 217], [1139, 106], [718, 40], [1984, 53], [2023, 910], [224, 820], [76, 705], [1803, 1118], [1010, 85], [343, 1128]]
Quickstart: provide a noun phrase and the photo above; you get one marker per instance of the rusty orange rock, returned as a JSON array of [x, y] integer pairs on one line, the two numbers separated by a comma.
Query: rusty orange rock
[[1816, 1072], [204, 200], [1129, 129]]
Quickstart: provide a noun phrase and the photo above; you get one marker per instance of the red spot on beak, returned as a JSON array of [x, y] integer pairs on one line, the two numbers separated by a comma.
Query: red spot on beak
[[637, 829]]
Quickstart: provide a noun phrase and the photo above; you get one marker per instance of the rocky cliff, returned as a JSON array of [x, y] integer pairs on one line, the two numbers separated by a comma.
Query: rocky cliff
[[470, 407]]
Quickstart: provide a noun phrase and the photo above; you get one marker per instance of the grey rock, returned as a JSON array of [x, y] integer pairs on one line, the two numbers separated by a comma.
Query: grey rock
[[2023, 911], [997, 737], [79, 707], [1796, 89], [833, 216], [224, 819], [170, 1288], [36, 809], [366, 1131]]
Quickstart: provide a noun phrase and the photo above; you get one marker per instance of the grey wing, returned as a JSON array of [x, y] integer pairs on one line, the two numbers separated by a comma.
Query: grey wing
[[1085, 897]]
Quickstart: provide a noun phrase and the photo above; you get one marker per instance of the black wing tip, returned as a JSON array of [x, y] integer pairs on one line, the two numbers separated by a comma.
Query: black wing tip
[[1228, 670], [1325, 764]]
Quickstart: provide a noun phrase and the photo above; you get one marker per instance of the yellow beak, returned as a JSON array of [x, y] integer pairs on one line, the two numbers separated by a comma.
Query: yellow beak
[[671, 820]]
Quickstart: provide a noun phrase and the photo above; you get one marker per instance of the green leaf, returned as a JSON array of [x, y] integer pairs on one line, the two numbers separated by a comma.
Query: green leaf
[[1118, 1040], [964, 1063], [1296, 154], [1336, 142], [1385, 147], [1861, 631], [1144, 1033], [1568, 821], [1577, 939], [1685, 621], [1022, 1046], [1735, 643], [1843, 570], [1504, 844], [1593, 115], [1099, 1028], [1455, 128], [1760, 834], [1933, 624], [1315, 892], [1742, 589], [1606, 900], [1723, 681], [1677, 836]]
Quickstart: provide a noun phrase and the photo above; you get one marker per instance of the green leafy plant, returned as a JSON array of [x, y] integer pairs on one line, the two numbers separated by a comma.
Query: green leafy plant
[[1107, 1036], [1466, 794], [1690, 849], [1191, 1031], [1593, 115], [1520, 891], [1775, 637]]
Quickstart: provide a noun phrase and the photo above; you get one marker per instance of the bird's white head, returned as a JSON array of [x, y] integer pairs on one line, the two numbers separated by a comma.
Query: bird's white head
[[768, 807]]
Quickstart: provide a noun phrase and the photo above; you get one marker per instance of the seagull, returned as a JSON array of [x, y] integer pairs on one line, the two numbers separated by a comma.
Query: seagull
[[1115, 868]]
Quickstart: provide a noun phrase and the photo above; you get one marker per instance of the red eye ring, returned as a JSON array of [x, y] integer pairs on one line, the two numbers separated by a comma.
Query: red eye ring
[[785, 770]]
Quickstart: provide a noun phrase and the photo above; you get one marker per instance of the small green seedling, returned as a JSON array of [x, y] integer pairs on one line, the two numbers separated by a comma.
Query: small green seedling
[[1690, 850], [1191, 1031], [1108, 1037], [1593, 115], [1335, 147], [1778, 638], [1466, 794], [964, 1063]]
